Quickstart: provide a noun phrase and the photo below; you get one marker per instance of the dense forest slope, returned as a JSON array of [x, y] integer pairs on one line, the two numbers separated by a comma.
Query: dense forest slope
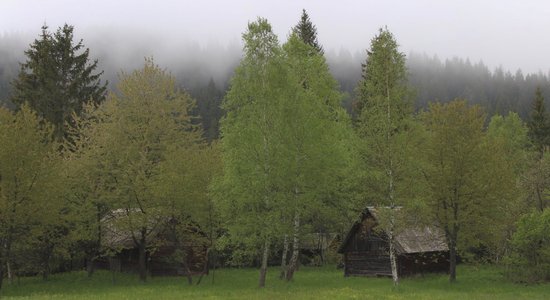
[[204, 71]]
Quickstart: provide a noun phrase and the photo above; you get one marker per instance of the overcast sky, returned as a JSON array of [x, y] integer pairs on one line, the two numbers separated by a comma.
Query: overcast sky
[[514, 34]]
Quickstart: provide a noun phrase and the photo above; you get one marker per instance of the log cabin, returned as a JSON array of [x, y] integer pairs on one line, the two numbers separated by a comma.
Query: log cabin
[[366, 249]]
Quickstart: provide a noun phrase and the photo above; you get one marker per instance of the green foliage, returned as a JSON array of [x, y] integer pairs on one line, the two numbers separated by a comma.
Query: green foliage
[[249, 194], [468, 176], [56, 79], [283, 144], [529, 260], [317, 134], [385, 124], [508, 135], [141, 125], [29, 187], [512, 132], [537, 177], [535, 182], [143, 162], [384, 76]]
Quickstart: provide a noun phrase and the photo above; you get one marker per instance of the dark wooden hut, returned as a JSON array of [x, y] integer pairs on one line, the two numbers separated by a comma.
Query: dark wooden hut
[[163, 259], [366, 249]]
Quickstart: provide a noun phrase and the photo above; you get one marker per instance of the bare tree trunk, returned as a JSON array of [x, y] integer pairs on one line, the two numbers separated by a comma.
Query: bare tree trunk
[[214, 262], [284, 267], [1, 274], [46, 271], [185, 264], [452, 254], [187, 271], [391, 231], [393, 258], [263, 268], [452, 265], [90, 266], [46, 262], [293, 264], [391, 187], [540, 197], [453, 238], [10, 275], [5, 253], [320, 247], [205, 268], [142, 258], [114, 266]]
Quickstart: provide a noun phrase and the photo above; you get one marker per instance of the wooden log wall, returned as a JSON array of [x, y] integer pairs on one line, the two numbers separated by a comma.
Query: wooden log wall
[[365, 264]]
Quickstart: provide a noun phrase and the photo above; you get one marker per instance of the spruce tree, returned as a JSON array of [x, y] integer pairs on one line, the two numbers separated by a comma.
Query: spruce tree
[[307, 32], [57, 78], [539, 127]]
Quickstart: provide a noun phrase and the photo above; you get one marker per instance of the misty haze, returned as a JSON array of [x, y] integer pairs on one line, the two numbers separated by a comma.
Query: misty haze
[[274, 149]]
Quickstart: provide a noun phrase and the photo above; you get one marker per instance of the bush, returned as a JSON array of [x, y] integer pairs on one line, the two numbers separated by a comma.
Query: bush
[[529, 260]]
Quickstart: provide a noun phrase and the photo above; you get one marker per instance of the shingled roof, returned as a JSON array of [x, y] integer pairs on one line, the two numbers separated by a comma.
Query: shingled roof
[[409, 240]]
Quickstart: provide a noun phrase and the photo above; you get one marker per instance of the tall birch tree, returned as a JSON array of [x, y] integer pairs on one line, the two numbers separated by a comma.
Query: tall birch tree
[[316, 130], [384, 124], [250, 190]]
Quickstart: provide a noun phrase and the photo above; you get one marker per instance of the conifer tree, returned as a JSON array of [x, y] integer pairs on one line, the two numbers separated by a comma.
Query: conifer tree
[[57, 78], [539, 125], [307, 32]]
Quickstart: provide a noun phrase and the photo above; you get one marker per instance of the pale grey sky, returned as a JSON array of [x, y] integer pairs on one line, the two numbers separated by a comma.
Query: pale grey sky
[[513, 34]]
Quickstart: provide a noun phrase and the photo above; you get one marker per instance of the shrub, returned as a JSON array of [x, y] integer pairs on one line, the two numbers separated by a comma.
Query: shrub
[[529, 259]]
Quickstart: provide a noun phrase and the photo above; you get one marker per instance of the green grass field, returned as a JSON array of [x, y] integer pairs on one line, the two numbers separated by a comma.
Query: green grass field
[[484, 282]]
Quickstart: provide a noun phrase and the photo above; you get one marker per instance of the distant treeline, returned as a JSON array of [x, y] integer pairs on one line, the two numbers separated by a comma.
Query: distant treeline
[[205, 73], [499, 91]]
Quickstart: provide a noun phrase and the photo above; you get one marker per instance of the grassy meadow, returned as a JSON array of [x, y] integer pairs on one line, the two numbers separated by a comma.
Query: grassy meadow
[[484, 282]]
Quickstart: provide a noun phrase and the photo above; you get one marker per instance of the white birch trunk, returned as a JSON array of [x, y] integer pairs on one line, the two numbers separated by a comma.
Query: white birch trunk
[[8, 269], [284, 267], [263, 268], [293, 264], [393, 258], [391, 190]]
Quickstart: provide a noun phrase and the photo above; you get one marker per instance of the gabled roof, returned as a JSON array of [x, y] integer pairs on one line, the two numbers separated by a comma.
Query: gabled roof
[[409, 240]]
